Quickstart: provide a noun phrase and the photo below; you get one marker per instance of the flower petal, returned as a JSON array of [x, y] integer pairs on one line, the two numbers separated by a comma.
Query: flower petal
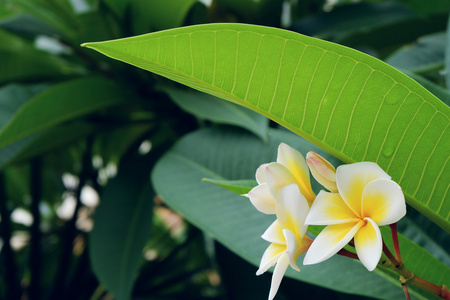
[[262, 199], [270, 257], [296, 164], [329, 209], [332, 239], [261, 174], [352, 179], [278, 176], [278, 274], [383, 201], [274, 234], [292, 209], [322, 170], [292, 249], [369, 244]]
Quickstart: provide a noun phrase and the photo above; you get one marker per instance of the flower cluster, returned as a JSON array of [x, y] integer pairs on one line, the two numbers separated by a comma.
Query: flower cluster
[[361, 197]]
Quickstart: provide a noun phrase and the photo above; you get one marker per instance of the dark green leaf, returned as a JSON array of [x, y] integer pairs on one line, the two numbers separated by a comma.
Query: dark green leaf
[[122, 226], [63, 102], [426, 55], [20, 60], [208, 107]]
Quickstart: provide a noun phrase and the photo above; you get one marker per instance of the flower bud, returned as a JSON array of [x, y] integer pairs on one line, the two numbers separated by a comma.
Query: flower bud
[[322, 170]]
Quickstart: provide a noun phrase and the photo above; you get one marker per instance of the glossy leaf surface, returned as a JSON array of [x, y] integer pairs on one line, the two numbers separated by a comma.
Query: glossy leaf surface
[[350, 104]]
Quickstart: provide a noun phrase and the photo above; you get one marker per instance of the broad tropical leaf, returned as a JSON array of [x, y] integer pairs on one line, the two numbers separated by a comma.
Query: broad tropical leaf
[[350, 104], [60, 103]]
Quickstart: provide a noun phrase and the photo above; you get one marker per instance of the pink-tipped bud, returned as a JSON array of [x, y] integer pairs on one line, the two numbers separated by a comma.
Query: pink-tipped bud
[[322, 170]]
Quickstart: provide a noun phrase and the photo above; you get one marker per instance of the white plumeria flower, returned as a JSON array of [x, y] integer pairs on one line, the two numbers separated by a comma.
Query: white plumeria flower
[[367, 199], [322, 170], [290, 168], [286, 234]]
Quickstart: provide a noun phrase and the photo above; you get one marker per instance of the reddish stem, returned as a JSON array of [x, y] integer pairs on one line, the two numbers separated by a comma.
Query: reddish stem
[[405, 290], [345, 252], [395, 241]]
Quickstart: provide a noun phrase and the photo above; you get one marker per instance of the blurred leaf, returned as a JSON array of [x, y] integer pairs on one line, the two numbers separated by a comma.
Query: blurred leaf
[[238, 225], [437, 90], [20, 60], [63, 102], [153, 15], [262, 12], [427, 54], [118, 7], [368, 111], [122, 226], [447, 56], [428, 7], [240, 187], [113, 144], [346, 20], [56, 13], [42, 142], [377, 26], [208, 107]]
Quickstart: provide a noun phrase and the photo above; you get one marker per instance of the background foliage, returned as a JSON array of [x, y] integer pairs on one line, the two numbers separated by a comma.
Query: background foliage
[[85, 141]]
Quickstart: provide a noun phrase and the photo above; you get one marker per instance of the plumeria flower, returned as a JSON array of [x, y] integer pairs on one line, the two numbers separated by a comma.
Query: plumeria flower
[[367, 199], [290, 168], [322, 170], [286, 234]]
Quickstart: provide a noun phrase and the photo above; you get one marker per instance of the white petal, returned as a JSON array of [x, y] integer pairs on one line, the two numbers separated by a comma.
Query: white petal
[[274, 234], [292, 209], [270, 257], [261, 174], [262, 199], [332, 239], [278, 176], [383, 202], [292, 247], [329, 209], [322, 170], [296, 164], [369, 244], [278, 274], [352, 179]]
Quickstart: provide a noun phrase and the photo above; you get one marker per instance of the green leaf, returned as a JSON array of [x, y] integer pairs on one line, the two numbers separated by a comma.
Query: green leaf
[[208, 107], [122, 226], [42, 142], [426, 55], [20, 60], [58, 14], [348, 103], [62, 102], [238, 225], [239, 187]]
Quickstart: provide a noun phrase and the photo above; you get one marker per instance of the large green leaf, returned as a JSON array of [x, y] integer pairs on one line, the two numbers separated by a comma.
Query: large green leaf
[[348, 103], [62, 102], [232, 220]]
